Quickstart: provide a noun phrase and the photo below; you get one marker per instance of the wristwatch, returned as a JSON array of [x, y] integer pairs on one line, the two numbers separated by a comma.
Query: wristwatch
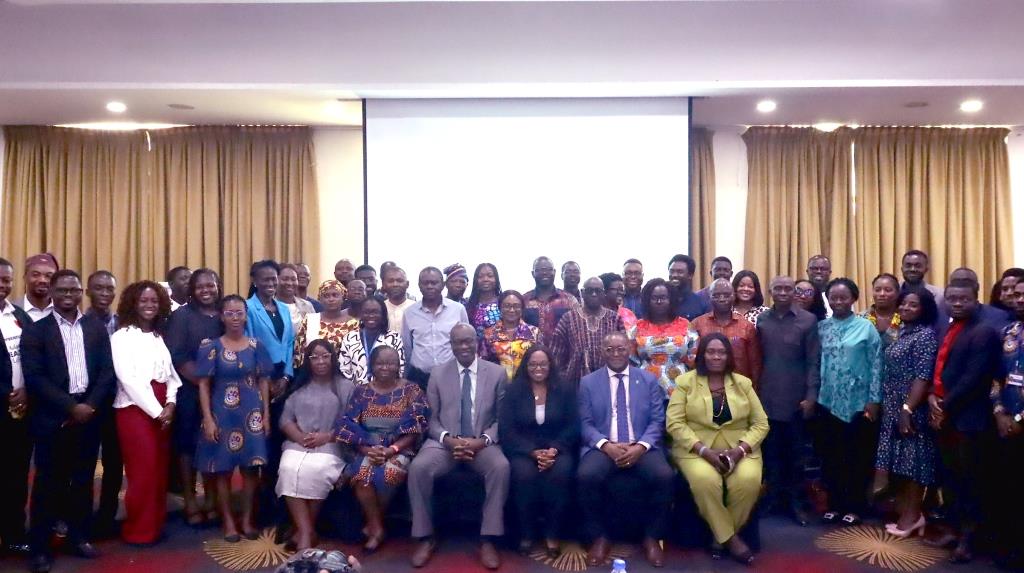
[[907, 409], [487, 440], [1018, 418]]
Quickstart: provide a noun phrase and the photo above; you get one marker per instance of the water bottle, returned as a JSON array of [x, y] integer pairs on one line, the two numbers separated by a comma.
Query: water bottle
[[619, 566]]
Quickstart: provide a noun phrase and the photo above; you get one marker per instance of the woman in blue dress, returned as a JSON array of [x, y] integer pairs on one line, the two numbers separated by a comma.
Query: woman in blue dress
[[906, 444], [234, 394]]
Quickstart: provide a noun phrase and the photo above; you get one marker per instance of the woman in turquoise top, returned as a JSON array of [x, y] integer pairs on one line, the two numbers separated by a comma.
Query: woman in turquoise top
[[851, 390]]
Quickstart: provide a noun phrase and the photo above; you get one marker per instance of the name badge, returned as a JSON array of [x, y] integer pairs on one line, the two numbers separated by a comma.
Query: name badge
[[1015, 380]]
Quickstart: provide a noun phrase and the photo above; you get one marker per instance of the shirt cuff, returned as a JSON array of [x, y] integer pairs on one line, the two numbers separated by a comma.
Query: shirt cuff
[[600, 443], [443, 434], [645, 445], [489, 440]]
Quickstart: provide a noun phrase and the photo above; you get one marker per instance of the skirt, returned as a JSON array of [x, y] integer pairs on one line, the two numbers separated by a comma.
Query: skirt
[[307, 475]]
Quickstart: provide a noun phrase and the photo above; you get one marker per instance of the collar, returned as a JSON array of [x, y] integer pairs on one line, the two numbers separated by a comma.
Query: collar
[[104, 317], [791, 311], [612, 374], [62, 320], [7, 308], [27, 305], [472, 367], [445, 303]]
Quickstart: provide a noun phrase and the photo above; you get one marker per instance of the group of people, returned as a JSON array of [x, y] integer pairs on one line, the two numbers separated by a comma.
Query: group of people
[[548, 395]]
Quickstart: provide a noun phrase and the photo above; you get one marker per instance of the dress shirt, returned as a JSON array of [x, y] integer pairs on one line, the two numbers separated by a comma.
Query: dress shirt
[[11, 328], [175, 305], [791, 351], [36, 314], [828, 307], [426, 335], [396, 312], [140, 358], [472, 391], [74, 352], [692, 305], [632, 302], [109, 320], [851, 365], [742, 336], [613, 431]]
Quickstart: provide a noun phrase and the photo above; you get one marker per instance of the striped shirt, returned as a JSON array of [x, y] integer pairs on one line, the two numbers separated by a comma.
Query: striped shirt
[[74, 352]]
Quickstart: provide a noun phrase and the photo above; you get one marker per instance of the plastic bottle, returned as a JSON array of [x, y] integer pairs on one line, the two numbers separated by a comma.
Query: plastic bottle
[[619, 566]]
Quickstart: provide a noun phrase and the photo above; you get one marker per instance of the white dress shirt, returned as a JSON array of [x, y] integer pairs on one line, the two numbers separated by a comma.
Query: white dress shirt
[[396, 313], [74, 353], [36, 314], [11, 331], [139, 358], [613, 431]]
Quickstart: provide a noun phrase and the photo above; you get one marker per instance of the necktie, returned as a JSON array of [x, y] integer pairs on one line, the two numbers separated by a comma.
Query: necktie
[[621, 411], [467, 405]]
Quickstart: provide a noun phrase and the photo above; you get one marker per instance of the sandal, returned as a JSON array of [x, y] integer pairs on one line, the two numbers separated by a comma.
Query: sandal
[[851, 519], [830, 517]]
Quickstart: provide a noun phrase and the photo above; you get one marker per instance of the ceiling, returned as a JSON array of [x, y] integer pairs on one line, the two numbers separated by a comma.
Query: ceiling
[[285, 62]]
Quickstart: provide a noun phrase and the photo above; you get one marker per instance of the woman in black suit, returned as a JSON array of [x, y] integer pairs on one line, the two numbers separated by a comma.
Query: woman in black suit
[[539, 424]]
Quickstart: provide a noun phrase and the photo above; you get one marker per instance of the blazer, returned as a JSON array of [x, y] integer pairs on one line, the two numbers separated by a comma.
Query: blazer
[[259, 326], [444, 394], [46, 372], [646, 408], [973, 363], [689, 417], [6, 369], [517, 420]]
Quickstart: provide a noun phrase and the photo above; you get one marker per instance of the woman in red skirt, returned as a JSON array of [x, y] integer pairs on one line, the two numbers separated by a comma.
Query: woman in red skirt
[[147, 385]]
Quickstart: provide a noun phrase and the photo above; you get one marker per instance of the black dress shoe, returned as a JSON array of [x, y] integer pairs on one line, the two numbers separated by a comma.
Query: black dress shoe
[[17, 548], [800, 517], [85, 550], [40, 564]]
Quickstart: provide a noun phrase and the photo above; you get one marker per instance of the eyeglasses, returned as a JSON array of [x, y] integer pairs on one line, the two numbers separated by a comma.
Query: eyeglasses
[[804, 292], [659, 299], [67, 291], [593, 290], [616, 349], [233, 313]]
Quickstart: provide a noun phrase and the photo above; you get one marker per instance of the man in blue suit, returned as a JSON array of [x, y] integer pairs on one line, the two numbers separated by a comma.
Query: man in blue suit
[[622, 411]]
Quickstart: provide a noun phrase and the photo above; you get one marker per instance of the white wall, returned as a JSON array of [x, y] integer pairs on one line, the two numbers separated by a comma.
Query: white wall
[[730, 192], [1015, 147], [339, 174]]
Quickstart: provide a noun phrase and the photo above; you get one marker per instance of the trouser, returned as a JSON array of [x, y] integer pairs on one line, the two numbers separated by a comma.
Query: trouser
[[652, 469], [546, 493], [785, 462], [272, 509], [15, 454], [65, 461], [147, 448], [965, 456], [848, 461], [725, 502], [113, 470], [434, 461]]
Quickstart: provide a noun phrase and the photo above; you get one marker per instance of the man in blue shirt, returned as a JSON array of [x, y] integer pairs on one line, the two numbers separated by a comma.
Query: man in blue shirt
[[680, 276], [426, 327], [633, 281]]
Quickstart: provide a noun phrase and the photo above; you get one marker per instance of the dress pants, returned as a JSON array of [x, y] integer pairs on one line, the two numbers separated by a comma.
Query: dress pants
[[271, 507], [966, 456], [65, 461], [725, 503], [785, 462], [113, 470], [433, 461], [15, 454], [538, 493], [652, 469], [147, 449], [848, 461]]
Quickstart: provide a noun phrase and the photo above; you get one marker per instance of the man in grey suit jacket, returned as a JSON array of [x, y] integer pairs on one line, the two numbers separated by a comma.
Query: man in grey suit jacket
[[622, 411], [464, 394]]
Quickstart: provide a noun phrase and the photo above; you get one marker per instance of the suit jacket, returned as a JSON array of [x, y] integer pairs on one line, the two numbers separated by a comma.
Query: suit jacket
[[6, 370], [444, 394], [46, 372], [690, 418], [259, 326], [517, 420], [646, 408], [973, 362]]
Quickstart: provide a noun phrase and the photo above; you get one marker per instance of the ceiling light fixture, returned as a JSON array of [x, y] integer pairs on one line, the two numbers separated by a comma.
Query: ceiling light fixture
[[116, 107], [827, 126], [971, 106], [182, 106], [766, 106], [915, 104]]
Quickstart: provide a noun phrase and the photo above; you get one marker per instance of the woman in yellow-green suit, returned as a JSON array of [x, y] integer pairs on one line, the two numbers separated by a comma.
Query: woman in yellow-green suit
[[717, 424]]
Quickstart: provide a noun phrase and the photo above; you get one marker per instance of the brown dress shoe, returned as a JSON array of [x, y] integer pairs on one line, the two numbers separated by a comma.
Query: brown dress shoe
[[423, 552], [489, 555], [653, 552], [598, 553]]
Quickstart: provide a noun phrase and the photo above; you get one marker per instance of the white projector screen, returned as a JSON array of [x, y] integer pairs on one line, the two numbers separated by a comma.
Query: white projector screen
[[505, 181]]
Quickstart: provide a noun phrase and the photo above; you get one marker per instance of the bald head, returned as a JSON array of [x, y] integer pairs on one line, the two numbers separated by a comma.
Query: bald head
[[463, 341]]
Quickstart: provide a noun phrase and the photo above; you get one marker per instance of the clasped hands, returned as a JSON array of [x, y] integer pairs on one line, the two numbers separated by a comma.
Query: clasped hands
[[724, 461], [464, 449], [544, 458], [313, 440], [624, 455], [377, 455]]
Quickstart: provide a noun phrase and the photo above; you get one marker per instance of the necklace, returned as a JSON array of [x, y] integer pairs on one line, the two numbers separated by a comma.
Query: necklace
[[593, 323], [721, 405]]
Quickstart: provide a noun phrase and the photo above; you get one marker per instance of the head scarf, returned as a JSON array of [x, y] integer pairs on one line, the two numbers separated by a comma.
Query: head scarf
[[331, 284], [454, 271]]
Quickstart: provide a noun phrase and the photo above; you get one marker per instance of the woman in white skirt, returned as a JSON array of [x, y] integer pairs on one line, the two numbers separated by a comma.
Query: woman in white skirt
[[312, 462]]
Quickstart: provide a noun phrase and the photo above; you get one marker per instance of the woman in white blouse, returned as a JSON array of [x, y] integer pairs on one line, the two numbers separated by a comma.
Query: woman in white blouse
[[147, 386]]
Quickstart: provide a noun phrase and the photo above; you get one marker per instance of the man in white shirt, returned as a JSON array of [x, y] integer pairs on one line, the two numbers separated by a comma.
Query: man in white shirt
[[15, 443], [396, 285], [38, 271]]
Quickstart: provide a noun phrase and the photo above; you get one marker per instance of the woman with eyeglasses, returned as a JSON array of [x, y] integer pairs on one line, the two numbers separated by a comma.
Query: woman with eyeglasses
[[540, 428], [234, 373], [506, 342], [808, 297], [663, 343]]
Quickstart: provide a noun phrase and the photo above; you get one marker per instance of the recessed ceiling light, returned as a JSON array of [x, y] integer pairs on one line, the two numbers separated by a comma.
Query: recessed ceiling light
[[915, 104], [180, 106], [766, 106], [827, 126], [116, 107], [971, 105]]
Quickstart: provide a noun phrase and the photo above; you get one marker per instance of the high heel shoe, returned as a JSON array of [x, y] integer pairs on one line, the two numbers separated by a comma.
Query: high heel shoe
[[916, 528]]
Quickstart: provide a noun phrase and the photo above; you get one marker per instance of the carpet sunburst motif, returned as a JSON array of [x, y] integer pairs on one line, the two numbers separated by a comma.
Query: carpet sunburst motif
[[878, 548], [247, 555], [574, 556]]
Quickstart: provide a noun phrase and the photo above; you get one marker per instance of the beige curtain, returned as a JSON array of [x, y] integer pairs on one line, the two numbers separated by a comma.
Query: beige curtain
[[798, 196], [702, 202], [942, 190], [139, 203]]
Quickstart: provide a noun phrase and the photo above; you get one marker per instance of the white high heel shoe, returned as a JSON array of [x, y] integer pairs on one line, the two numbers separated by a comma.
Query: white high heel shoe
[[917, 528]]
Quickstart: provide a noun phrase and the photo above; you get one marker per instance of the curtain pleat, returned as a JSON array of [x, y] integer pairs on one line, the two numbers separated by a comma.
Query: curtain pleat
[[702, 203]]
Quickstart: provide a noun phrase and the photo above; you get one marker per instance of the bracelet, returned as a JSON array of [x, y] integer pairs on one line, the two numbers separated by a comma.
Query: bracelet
[[395, 449], [700, 452]]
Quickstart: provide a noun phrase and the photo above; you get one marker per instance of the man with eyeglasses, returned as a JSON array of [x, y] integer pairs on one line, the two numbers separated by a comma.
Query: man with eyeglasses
[[576, 343], [819, 272], [741, 333], [633, 281], [69, 374]]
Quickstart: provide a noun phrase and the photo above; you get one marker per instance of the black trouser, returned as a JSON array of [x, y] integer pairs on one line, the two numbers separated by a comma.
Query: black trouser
[[272, 510], [652, 469], [848, 461], [15, 454], [965, 456], [546, 493], [65, 461], [785, 462], [113, 470]]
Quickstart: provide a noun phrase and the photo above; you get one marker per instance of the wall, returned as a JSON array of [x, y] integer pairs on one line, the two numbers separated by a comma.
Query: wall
[[730, 192], [339, 174], [1015, 148]]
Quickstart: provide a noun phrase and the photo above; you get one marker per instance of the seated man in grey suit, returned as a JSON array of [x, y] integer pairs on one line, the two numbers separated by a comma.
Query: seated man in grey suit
[[622, 411], [464, 394]]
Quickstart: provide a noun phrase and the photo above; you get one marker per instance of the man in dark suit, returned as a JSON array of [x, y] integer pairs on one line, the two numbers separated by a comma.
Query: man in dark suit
[[622, 411], [69, 374], [464, 396], [967, 363], [15, 443]]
